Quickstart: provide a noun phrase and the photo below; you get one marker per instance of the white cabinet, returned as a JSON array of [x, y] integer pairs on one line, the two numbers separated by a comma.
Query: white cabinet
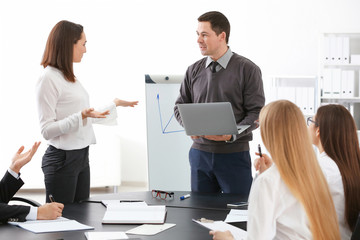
[[301, 90], [339, 71]]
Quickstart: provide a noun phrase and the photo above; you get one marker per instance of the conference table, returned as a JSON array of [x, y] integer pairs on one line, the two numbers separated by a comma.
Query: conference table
[[181, 212]]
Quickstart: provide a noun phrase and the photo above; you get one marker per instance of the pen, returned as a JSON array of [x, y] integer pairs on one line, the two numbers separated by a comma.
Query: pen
[[260, 154], [259, 150], [185, 196], [51, 198]]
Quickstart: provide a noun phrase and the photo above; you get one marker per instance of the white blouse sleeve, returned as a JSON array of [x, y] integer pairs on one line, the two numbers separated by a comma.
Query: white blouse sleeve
[[47, 95], [261, 212], [110, 119]]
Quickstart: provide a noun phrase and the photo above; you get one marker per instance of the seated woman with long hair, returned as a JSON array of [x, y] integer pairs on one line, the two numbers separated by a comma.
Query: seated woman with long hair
[[333, 131], [291, 199]]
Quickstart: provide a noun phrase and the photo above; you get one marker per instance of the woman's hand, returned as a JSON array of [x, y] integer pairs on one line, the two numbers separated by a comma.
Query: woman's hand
[[262, 163], [90, 112], [218, 235], [123, 103]]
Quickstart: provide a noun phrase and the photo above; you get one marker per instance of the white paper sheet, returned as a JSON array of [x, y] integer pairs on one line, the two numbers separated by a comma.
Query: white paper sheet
[[236, 215], [238, 233], [105, 235], [57, 225], [150, 229]]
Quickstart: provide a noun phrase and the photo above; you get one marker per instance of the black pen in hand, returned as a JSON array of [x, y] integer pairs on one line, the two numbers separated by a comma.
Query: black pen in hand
[[259, 150], [260, 154]]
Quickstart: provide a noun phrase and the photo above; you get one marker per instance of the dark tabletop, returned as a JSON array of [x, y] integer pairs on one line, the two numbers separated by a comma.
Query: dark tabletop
[[180, 212]]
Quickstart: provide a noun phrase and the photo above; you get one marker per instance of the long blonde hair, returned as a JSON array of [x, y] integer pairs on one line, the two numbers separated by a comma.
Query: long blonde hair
[[284, 133]]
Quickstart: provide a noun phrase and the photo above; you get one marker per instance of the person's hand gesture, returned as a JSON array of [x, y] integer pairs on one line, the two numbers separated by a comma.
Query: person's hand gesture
[[262, 163], [91, 113], [123, 103], [19, 160]]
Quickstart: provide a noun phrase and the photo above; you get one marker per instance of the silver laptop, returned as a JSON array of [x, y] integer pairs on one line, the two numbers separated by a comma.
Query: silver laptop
[[209, 119]]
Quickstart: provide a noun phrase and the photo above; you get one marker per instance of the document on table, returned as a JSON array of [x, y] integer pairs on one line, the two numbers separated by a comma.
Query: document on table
[[238, 233], [150, 229], [58, 225], [236, 215], [134, 213], [123, 202], [105, 235]]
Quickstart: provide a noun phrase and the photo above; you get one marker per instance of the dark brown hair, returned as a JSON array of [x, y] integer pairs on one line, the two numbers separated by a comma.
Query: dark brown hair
[[338, 136], [59, 48], [219, 23]]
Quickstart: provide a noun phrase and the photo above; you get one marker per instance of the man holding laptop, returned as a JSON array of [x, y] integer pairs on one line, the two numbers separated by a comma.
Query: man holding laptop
[[221, 163]]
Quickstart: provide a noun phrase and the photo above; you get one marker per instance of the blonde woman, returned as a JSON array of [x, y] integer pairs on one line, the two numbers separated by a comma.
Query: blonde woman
[[291, 199]]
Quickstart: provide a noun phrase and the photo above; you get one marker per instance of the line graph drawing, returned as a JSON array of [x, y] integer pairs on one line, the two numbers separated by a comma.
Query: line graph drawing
[[163, 129]]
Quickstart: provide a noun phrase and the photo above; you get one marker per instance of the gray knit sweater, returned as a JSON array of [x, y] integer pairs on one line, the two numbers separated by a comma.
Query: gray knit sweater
[[240, 84]]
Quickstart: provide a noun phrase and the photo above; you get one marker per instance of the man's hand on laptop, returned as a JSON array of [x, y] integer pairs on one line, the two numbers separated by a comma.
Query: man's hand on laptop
[[218, 137], [195, 137]]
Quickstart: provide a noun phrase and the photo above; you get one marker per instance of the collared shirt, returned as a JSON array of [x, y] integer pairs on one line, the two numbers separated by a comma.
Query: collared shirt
[[274, 212], [223, 61], [32, 215]]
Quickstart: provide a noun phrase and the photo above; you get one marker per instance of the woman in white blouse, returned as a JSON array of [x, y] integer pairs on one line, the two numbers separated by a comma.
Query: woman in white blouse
[[333, 131], [291, 199], [66, 116]]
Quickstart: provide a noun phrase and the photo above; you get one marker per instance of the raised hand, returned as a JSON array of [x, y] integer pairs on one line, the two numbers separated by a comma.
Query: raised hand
[[19, 159]]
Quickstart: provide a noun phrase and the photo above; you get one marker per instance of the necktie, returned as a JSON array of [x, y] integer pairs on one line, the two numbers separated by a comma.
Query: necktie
[[213, 67]]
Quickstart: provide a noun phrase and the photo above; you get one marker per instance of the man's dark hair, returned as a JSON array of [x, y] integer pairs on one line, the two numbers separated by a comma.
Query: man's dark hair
[[219, 23]]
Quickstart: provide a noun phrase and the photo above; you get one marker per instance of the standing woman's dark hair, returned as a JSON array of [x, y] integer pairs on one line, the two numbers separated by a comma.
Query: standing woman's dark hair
[[59, 48], [338, 136]]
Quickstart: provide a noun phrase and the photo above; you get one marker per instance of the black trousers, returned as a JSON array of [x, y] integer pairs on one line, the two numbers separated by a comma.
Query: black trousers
[[67, 174]]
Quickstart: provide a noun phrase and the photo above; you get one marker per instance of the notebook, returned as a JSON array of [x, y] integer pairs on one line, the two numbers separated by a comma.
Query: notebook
[[209, 119]]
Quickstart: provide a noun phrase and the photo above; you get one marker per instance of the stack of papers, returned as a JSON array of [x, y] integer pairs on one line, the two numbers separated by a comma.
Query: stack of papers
[[105, 235], [237, 216], [58, 225], [238, 233], [134, 213]]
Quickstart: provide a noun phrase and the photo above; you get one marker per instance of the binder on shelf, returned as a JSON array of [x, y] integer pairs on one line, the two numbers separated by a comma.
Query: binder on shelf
[[333, 50], [327, 50], [299, 98], [338, 50], [351, 83], [348, 84], [344, 83], [346, 50], [336, 82], [311, 100], [327, 83]]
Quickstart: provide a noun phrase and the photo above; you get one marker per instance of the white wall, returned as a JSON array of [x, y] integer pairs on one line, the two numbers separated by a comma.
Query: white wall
[[127, 39]]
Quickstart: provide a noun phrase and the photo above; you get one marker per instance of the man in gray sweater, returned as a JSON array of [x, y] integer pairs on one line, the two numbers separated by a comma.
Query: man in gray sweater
[[222, 163]]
